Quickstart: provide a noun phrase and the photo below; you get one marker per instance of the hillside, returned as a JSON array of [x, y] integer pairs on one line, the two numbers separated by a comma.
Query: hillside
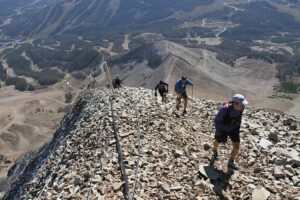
[[164, 60], [64, 37], [103, 16], [82, 161]]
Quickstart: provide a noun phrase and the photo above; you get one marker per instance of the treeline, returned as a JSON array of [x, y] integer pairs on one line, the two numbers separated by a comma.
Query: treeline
[[287, 72], [82, 59], [288, 65], [61, 42], [261, 21], [70, 61], [79, 75], [193, 32], [258, 20], [64, 55], [19, 83], [146, 51], [21, 67]]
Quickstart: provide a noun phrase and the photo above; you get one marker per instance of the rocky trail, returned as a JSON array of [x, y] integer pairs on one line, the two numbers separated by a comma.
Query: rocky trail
[[164, 155]]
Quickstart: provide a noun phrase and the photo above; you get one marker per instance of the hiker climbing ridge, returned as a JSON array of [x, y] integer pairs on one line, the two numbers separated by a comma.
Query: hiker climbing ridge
[[163, 89], [180, 90]]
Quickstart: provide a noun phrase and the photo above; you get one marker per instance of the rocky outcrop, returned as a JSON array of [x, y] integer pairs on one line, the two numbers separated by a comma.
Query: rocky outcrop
[[173, 162], [27, 165]]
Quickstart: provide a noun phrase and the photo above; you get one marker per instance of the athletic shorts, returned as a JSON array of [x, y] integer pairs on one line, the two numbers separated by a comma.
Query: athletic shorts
[[162, 93], [234, 135], [182, 95]]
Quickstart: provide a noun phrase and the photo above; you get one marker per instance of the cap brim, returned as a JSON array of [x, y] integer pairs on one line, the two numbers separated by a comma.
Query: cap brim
[[245, 102]]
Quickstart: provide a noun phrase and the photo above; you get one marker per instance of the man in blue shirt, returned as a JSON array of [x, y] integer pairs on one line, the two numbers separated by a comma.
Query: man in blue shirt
[[180, 89], [227, 124]]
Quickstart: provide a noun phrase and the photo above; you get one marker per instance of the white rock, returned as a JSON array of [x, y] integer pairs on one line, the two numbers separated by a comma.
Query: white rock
[[264, 143], [260, 194], [117, 186]]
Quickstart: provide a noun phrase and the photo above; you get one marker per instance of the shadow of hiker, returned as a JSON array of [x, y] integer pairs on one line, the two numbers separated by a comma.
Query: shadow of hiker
[[218, 178]]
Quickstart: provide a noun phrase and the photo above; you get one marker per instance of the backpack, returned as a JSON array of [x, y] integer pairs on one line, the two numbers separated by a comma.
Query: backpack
[[162, 86]]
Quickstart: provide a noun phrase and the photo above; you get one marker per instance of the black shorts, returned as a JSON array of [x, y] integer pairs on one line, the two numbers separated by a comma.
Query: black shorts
[[182, 95], [234, 135], [162, 93]]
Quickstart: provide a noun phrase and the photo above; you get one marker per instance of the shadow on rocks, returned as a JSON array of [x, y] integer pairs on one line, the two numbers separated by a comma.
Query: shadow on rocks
[[218, 178]]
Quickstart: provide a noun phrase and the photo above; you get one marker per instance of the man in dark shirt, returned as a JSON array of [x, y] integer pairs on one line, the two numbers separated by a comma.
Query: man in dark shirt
[[117, 83], [162, 88], [227, 124]]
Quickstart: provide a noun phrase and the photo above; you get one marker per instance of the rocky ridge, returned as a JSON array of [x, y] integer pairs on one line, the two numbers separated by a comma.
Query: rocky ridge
[[174, 153]]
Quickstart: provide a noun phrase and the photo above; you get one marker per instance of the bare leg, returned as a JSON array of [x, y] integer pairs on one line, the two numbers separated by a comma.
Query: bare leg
[[215, 145], [164, 99], [215, 154], [178, 102], [235, 150], [185, 103]]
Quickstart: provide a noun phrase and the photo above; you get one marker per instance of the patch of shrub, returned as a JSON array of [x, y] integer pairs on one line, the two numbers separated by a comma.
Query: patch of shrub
[[79, 75], [19, 83]]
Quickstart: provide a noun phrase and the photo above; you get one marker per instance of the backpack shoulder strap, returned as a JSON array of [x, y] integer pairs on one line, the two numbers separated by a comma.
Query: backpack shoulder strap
[[229, 107]]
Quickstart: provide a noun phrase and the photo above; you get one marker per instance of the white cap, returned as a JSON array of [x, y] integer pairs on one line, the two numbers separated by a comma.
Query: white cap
[[239, 99]]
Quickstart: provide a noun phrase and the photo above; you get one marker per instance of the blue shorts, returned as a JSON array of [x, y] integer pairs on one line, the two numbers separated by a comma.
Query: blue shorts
[[234, 135]]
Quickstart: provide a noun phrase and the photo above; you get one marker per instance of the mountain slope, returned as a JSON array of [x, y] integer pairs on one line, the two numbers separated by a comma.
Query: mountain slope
[[83, 16], [84, 164], [149, 63]]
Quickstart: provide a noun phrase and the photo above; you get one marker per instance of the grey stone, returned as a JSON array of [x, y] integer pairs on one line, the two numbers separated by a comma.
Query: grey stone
[[290, 153], [206, 147], [78, 181], [260, 194], [2, 194], [112, 142], [126, 134], [273, 137], [293, 127], [296, 181], [278, 173], [176, 187], [117, 186], [254, 132], [289, 169], [288, 122], [166, 188], [177, 153], [168, 137], [264, 143], [251, 186], [282, 160]]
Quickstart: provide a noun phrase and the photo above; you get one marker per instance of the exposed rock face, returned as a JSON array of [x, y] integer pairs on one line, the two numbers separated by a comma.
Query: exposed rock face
[[174, 153]]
